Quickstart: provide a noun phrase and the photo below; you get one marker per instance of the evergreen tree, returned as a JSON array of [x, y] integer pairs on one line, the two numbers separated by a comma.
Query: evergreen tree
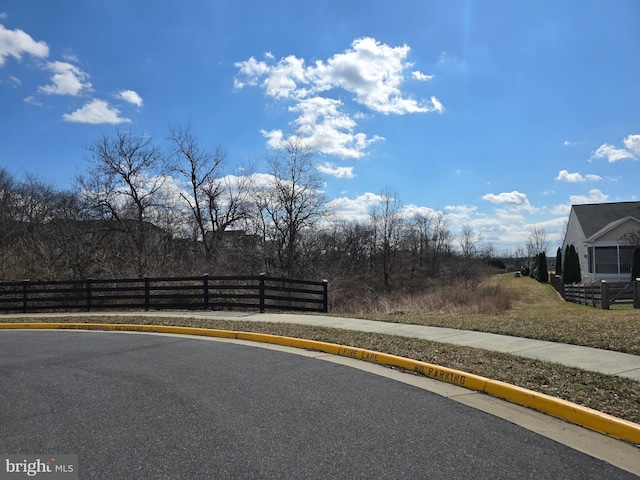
[[576, 265], [543, 271], [559, 261], [533, 270], [571, 271], [566, 267], [635, 263]]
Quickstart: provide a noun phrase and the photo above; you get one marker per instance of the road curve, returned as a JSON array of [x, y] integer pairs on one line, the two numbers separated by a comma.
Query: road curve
[[151, 406]]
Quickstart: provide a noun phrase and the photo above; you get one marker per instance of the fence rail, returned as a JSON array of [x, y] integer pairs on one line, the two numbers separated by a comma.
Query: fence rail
[[604, 294], [259, 292]]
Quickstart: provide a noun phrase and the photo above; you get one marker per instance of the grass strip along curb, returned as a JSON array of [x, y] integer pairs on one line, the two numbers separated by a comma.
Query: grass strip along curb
[[571, 412]]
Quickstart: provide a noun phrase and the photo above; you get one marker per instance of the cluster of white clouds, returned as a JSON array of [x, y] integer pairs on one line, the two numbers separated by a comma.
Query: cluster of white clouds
[[370, 71], [565, 176], [67, 79], [631, 150]]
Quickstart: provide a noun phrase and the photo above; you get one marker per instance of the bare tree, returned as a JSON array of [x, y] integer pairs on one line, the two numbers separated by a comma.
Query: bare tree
[[442, 241], [293, 202], [123, 184], [468, 242], [387, 222], [216, 201], [537, 242], [419, 233]]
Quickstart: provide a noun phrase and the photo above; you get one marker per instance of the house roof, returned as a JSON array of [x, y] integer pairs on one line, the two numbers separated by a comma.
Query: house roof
[[593, 217]]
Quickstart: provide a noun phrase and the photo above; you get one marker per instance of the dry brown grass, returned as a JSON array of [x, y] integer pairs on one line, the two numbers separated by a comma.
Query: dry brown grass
[[537, 311]]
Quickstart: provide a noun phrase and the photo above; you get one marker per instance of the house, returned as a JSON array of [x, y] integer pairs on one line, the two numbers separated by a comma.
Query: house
[[604, 235]]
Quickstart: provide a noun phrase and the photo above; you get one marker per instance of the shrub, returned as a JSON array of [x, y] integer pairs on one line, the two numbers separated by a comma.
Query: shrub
[[497, 263], [559, 261]]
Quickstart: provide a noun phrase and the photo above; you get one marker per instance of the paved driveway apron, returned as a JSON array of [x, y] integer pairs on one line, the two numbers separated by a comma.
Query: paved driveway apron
[[138, 406]]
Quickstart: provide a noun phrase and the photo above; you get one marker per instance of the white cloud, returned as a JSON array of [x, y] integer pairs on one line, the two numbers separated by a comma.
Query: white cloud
[[16, 43], [96, 112], [354, 209], [632, 143], [410, 211], [327, 129], [567, 143], [421, 76], [594, 196], [562, 209], [131, 97], [436, 106], [274, 138], [565, 176], [461, 211], [12, 81], [284, 78], [334, 171], [371, 71], [513, 199], [67, 79], [252, 70], [613, 154], [31, 100]]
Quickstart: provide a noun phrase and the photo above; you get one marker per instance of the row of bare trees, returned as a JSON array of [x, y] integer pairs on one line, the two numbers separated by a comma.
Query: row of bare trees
[[182, 209]]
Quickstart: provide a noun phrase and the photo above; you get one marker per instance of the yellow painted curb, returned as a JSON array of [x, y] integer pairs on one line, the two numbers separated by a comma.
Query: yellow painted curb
[[571, 412]]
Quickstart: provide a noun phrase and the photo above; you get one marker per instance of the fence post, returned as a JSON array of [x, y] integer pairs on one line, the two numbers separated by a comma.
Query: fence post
[[636, 293], [146, 294], [261, 291], [604, 288], [205, 286], [25, 283], [325, 296], [88, 294]]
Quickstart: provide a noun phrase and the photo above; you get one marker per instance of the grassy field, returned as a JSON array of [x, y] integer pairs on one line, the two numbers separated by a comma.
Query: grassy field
[[537, 312]]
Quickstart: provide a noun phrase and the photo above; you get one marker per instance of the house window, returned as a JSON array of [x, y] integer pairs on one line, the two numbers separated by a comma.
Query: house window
[[610, 260], [606, 259]]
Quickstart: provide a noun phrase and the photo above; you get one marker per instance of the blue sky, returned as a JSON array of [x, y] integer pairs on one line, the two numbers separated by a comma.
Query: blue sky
[[500, 114]]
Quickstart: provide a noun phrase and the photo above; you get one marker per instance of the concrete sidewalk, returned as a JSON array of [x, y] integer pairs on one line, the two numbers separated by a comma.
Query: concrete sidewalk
[[586, 358]]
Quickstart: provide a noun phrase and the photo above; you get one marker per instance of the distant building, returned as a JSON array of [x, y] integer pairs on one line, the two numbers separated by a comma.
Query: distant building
[[604, 235]]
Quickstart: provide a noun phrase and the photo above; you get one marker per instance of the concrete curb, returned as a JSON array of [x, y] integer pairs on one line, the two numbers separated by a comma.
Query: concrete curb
[[571, 412]]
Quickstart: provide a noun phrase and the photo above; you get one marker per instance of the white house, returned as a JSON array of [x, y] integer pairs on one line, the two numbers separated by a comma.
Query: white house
[[604, 235]]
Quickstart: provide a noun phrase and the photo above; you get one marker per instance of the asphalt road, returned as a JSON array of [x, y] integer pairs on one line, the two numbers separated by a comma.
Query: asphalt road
[[135, 406]]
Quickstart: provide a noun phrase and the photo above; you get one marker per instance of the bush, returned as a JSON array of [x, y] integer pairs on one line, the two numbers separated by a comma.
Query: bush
[[559, 261], [497, 263]]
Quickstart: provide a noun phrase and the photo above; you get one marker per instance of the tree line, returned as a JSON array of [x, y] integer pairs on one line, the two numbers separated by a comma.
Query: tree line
[[140, 209]]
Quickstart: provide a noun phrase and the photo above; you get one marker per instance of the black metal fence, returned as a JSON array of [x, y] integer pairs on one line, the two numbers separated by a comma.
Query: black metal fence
[[259, 292]]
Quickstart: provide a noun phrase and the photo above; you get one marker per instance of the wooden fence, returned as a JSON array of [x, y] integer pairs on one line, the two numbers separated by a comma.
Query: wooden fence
[[190, 293], [604, 294]]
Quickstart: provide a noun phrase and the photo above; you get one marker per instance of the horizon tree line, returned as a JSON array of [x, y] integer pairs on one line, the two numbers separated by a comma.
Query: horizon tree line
[[142, 210]]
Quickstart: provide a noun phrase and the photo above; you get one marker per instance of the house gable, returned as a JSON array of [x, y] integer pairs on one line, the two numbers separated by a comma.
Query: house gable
[[613, 232]]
